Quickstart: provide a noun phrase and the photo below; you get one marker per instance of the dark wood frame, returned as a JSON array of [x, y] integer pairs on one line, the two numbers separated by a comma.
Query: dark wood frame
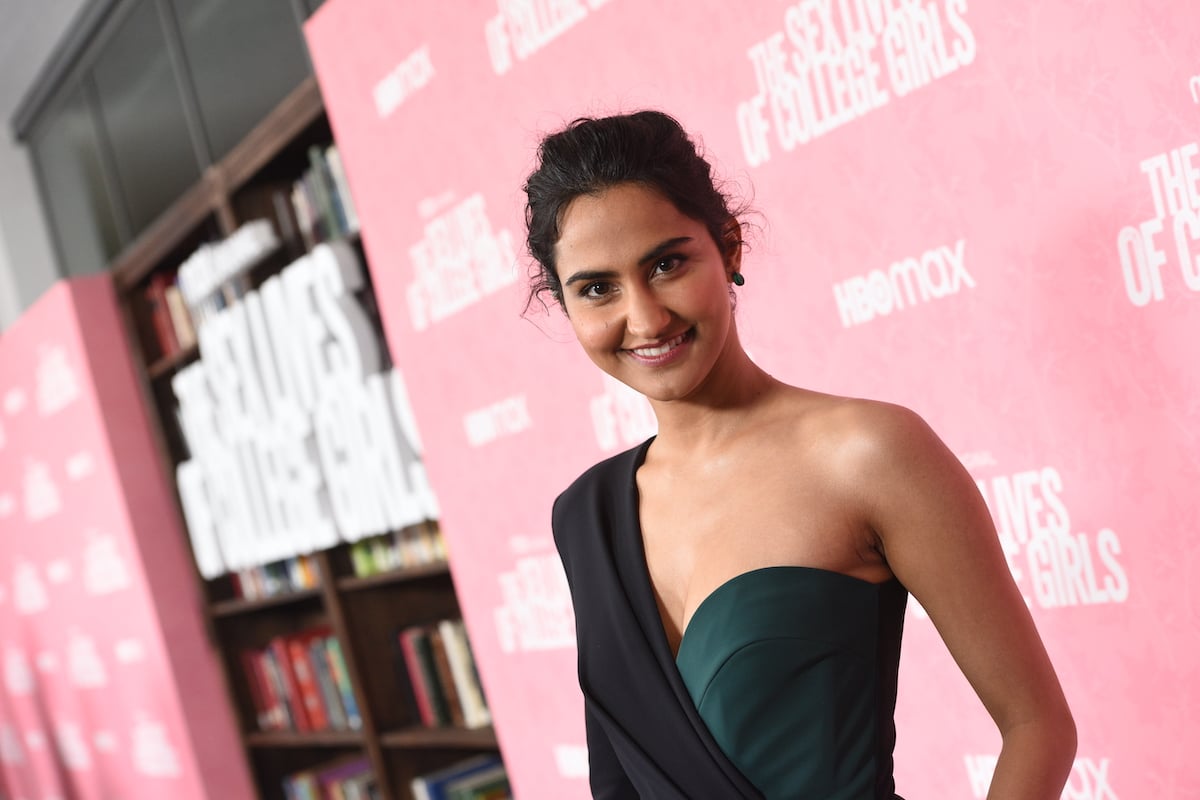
[[362, 612]]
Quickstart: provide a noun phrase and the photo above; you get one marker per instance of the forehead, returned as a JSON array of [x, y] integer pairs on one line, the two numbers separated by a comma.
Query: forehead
[[620, 220]]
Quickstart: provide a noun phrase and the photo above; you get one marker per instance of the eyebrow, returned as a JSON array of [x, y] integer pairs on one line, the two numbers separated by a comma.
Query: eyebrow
[[651, 254]]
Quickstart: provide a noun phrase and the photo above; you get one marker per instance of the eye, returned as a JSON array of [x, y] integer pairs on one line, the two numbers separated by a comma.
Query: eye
[[595, 290], [668, 263]]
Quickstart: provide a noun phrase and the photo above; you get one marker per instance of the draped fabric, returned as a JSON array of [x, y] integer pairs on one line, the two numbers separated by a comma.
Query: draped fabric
[[645, 737]]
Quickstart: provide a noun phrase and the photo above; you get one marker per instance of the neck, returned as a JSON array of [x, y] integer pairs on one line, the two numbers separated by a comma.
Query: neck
[[723, 409]]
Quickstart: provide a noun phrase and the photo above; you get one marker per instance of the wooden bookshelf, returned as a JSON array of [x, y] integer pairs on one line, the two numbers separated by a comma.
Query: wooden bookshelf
[[363, 614], [232, 608], [295, 739], [435, 569], [468, 739]]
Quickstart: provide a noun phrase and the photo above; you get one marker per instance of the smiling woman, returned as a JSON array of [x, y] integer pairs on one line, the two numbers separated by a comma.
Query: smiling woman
[[739, 580], [645, 289]]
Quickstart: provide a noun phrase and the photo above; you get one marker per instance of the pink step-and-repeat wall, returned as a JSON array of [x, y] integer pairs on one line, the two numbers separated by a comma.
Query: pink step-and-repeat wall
[[109, 686], [989, 212]]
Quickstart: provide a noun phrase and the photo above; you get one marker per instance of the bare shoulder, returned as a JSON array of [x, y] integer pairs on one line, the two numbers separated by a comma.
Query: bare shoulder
[[854, 435]]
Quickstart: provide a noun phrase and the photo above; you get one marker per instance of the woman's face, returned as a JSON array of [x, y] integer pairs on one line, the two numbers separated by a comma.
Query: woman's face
[[646, 290]]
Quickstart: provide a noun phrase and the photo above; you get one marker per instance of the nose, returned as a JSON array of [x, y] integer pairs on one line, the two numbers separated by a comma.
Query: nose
[[646, 316]]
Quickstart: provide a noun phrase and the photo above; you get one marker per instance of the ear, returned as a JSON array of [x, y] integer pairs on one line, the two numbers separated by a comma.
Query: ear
[[731, 247]]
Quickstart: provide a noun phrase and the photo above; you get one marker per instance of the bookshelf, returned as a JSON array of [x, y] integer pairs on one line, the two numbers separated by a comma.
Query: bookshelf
[[362, 614]]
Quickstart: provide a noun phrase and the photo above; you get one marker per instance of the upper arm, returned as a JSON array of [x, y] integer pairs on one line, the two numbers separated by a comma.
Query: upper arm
[[939, 540], [606, 776]]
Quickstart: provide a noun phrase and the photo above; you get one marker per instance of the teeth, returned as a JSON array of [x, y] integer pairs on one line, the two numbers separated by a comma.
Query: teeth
[[661, 350]]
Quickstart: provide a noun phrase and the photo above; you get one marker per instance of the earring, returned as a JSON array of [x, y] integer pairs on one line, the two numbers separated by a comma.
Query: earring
[[738, 280]]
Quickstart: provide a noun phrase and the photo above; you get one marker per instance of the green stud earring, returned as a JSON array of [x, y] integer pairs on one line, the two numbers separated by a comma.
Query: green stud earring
[[738, 280]]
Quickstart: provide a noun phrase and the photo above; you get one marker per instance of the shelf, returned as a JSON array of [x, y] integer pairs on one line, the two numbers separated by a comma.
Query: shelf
[[435, 569], [207, 197], [361, 612], [231, 608], [171, 363], [264, 739], [145, 253], [473, 739]]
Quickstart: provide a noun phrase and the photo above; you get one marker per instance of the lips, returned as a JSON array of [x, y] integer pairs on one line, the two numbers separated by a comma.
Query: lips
[[662, 352]]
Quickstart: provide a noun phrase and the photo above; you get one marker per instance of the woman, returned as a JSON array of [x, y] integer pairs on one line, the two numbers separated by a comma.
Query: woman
[[739, 580]]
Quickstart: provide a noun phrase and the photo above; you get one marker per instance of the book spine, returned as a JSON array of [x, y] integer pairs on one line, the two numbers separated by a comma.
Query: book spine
[[324, 679], [310, 571], [334, 157], [286, 222], [315, 177], [258, 694], [278, 690], [475, 705], [333, 193], [160, 316], [361, 559], [291, 687], [181, 320], [341, 677], [381, 553], [334, 778], [437, 697], [460, 671], [445, 678], [304, 215], [416, 676], [420, 789], [306, 682]]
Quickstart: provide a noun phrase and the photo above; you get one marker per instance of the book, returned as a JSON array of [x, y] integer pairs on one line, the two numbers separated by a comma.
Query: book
[[286, 222], [341, 677], [335, 777], [362, 559], [259, 696], [382, 553], [302, 786], [478, 785], [181, 320], [417, 678], [319, 188], [441, 663], [330, 697], [160, 315], [277, 690], [431, 539], [277, 649], [306, 219], [362, 787], [306, 679], [464, 675], [433, 785], [334, 195], [334, 158], [341, 779], [437, 695]]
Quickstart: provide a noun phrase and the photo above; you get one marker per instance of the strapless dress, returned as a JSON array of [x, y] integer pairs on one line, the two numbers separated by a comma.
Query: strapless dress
[[793, 670]]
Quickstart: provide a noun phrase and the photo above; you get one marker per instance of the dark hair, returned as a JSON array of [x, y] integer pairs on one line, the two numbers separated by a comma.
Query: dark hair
[[593, 154]]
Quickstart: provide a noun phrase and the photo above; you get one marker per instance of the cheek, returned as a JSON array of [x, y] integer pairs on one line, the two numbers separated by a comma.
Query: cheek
[[593, 331]]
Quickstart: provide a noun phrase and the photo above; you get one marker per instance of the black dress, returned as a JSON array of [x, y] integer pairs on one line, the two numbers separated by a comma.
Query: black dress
[[786, 677]]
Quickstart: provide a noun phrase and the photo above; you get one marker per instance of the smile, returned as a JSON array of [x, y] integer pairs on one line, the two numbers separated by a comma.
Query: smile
[[660, 352]]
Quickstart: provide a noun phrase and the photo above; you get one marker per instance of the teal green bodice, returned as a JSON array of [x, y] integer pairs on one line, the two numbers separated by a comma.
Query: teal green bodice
[[793, 670]]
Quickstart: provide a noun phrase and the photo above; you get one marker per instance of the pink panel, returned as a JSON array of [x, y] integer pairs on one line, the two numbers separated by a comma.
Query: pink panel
[[987, 212], [109, 686]]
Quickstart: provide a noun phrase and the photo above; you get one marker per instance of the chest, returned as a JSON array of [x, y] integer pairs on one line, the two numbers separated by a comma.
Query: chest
[[703, 526]]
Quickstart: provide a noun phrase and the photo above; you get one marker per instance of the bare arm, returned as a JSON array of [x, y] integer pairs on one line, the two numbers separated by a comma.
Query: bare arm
[[939, 540]]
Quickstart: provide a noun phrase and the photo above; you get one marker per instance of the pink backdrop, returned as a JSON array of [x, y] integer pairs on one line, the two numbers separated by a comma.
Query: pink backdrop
[[109, 687], [987, 212]]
